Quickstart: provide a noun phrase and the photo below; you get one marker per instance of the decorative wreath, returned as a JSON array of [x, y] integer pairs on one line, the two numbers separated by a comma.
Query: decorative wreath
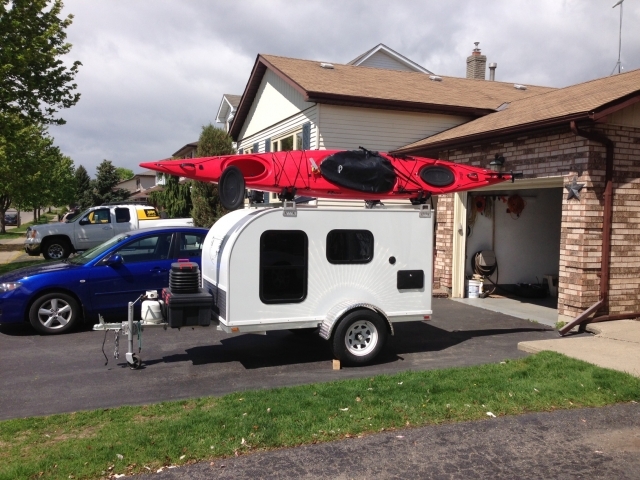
[[480, 204], [515, 205]]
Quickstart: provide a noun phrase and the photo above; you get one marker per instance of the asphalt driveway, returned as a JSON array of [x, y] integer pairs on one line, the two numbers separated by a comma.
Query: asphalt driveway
[[57, 374]]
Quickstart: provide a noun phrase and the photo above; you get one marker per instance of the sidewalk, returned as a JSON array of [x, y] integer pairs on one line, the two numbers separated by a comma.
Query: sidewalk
[[11, 249], [615, 345]]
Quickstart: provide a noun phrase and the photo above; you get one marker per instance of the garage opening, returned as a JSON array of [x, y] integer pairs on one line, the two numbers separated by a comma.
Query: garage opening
[[512, 239]]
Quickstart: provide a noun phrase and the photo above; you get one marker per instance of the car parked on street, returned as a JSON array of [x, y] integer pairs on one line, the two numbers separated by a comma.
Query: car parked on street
[[57, 296], [11, 219]]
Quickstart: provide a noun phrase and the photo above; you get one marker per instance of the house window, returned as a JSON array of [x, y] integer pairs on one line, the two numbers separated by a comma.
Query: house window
[[292, 141], [283, 266], [247, 150], [349, 246]]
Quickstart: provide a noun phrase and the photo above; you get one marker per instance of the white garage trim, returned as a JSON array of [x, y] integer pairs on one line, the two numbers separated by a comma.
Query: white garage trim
[[459, 244]]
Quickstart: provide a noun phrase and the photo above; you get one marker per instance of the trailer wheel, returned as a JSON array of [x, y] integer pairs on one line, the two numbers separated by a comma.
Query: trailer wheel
[[359, 337]]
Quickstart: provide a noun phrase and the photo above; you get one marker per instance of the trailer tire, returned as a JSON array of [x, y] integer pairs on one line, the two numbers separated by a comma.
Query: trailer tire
[[359, 337]]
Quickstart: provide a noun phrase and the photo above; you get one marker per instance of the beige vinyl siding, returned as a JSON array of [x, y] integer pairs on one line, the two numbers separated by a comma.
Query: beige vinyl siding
[[288, 125], [628, 117], [382, 60], [275, 101], [347, 128]]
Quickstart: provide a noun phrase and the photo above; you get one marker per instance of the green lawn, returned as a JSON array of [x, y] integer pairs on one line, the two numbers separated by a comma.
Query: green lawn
[[141, 439]]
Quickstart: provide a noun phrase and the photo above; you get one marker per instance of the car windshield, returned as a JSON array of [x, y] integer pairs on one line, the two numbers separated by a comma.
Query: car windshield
[[87, 256]]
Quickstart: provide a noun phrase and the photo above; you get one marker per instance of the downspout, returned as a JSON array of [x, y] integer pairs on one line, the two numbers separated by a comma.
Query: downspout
[[608, 206], [606, 234]]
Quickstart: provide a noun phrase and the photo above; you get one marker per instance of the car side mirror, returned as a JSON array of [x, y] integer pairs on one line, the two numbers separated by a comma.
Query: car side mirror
[[84, 221], [115, 260]]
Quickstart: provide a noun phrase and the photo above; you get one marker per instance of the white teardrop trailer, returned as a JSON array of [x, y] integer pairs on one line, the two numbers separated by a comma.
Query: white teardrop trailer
[[350, 273]]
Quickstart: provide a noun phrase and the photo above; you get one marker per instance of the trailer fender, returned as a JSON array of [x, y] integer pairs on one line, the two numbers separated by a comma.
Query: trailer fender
[[341, 309]]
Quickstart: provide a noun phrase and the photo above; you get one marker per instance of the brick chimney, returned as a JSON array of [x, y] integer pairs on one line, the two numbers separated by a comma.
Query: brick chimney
[[476, 64]]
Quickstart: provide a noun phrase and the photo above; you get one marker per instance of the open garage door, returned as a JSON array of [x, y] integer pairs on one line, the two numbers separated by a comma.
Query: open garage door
[[520, 223]]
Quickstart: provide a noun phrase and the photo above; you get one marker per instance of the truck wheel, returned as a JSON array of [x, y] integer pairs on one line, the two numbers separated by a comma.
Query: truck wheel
[[54, 313], [56, 249], [359, 337]]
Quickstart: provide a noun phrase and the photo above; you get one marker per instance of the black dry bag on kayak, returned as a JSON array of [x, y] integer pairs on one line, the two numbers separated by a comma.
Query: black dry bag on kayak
[[360, 170]]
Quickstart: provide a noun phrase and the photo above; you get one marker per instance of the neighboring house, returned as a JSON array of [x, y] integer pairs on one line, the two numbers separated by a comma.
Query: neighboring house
[[382, 56], [303, 104], [138, 185], [579, 150], [227, 109], [187, 151]]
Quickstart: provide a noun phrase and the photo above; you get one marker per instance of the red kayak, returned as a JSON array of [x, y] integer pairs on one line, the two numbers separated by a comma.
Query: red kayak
[[354, 174]]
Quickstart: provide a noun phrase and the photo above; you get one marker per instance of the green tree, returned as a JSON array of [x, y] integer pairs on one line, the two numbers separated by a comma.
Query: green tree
[[104, 185], [204, 196], [124, 173], [176, 197], [34, 85], [34, 82], [83, 197], [33, 172]]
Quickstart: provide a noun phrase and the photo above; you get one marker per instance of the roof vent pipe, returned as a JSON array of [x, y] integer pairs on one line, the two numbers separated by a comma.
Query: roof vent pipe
[[492, 71]]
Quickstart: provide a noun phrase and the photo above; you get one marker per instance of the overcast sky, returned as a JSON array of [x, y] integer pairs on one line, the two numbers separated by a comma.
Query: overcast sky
[[154, 71]]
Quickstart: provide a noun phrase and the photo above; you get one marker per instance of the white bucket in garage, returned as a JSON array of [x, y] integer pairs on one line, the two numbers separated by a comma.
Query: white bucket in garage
[[474, 288]]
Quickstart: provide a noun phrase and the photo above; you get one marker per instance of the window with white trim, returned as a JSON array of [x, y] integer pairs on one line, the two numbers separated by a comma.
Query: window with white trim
[[291, 141]]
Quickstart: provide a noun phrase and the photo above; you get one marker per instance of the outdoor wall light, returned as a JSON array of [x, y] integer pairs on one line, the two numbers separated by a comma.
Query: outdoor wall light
[[497, 163]]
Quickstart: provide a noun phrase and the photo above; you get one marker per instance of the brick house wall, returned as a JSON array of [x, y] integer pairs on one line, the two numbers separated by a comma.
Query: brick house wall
[[560, 152]]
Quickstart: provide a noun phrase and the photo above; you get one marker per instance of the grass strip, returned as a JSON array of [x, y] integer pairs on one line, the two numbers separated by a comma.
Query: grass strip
[[140, 439]]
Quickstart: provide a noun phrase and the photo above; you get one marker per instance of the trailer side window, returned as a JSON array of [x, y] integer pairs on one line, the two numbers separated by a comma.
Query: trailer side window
[[349, 246], [283, 266]]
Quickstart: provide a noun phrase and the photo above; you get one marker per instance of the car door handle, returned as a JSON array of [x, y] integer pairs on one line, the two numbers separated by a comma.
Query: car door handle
[[158, 270], [106, 228]]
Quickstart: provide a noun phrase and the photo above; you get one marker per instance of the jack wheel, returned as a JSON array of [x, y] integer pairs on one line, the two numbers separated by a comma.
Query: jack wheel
[[137, 363]]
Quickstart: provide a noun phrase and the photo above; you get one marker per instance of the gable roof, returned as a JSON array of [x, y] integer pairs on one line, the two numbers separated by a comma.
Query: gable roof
[[187, 148], [590, 100], [228, 104], [382, 48], [380, 88]]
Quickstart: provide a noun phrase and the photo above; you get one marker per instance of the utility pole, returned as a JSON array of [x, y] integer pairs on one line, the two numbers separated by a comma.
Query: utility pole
[[619, 65]]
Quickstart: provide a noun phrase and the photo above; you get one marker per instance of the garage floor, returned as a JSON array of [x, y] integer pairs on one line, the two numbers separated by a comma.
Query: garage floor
[[543, 310]]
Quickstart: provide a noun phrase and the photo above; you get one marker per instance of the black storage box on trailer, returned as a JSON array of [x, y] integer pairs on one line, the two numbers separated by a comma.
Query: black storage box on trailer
[[187, 309]]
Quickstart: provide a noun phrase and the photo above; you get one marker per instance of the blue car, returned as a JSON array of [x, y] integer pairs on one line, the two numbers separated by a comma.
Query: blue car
[[57, 296]]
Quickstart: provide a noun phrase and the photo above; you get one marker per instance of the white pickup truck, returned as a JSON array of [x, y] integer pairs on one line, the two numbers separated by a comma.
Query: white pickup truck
[[91, 228]]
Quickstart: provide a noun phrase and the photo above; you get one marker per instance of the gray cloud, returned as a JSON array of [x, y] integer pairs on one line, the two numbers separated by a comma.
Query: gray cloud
[[154, 72]]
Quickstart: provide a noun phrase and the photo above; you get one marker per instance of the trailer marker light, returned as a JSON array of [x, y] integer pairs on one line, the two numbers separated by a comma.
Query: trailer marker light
[[427, 317], [235, 329]]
